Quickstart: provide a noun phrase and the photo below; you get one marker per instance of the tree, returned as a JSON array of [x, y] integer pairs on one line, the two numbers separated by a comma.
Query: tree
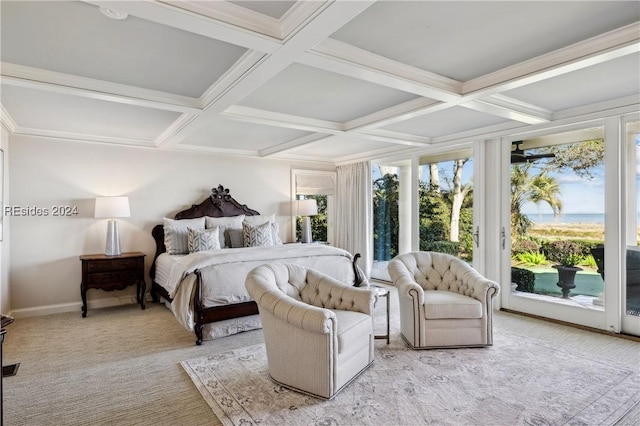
[[526, 188], [385, 216], [459, 193], [581, 157]]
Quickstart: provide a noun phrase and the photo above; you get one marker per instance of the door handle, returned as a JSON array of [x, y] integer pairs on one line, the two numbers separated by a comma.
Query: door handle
[[476, 237]]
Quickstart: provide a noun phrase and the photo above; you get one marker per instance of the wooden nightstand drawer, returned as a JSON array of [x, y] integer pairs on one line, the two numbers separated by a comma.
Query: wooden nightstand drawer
[[112, 273], [113, 264], [108, 277]]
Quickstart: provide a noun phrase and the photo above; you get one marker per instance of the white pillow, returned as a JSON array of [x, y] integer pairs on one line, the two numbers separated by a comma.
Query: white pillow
[[176, 233], [202, 240], [225, 224], [257, 236], [275, 234], [259, 219]]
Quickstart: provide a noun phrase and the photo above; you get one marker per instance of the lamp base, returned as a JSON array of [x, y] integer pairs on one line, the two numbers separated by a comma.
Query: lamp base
[[306, 229], [113, 239]]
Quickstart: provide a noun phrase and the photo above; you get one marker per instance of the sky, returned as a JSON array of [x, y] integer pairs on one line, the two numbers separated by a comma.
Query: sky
[[580, 195]]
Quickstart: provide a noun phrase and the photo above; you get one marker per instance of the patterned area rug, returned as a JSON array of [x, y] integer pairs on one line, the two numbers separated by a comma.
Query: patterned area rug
[[518, 381]]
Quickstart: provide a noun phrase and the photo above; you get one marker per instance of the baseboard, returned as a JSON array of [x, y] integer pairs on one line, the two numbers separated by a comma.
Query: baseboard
[[73, 307]]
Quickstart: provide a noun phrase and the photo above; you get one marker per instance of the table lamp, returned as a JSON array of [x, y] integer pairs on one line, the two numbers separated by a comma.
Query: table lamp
[[112, 207], [306, 208]]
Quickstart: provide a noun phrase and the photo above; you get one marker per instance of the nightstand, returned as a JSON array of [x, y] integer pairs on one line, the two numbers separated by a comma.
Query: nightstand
[[383, 292], [112, 273]]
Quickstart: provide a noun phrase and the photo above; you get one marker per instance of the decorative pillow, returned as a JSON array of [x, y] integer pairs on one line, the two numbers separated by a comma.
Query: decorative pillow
[[202, 240], [257, 236], [261, 219], [176, 233], [275, 234], [225, 224], [236, 236]]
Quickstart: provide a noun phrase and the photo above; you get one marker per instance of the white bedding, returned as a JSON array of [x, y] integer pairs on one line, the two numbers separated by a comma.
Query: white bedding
[[164, 262], [224, 272]]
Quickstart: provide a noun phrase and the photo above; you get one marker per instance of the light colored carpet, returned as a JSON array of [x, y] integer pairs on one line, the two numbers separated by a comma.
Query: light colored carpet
[[518, 381], [121, 366]]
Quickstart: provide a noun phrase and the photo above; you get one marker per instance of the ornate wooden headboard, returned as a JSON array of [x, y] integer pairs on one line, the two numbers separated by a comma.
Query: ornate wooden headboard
[[219, 204]]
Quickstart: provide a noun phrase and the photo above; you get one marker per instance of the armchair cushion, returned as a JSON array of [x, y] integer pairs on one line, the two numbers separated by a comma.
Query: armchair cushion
[[447, 304]]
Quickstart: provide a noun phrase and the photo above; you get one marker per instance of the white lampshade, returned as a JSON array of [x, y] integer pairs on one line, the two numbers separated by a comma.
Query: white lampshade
[[307, 207], [112, 207]]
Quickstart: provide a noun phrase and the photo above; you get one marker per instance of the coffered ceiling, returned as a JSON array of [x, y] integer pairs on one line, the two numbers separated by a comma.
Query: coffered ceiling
[[329, 81]]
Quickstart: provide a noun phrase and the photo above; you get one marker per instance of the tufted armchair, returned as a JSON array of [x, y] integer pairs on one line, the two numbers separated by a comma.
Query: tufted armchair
[[444, 302], [318, 331]]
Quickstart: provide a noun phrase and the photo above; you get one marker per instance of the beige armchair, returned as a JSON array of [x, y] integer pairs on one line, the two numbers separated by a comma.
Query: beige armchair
[[444, 302], [318, 331]]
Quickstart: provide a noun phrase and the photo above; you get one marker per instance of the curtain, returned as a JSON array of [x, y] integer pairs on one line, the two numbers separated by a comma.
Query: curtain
[[354, 226]]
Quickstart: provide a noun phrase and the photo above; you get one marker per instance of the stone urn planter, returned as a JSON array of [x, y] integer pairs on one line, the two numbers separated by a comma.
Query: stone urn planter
[[566, 278]]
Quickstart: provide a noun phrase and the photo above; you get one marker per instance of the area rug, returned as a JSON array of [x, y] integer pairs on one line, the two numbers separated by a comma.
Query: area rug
[[518, 381]]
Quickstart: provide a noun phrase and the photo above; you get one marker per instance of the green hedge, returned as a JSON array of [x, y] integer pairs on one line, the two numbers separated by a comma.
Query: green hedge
[[524, 278]]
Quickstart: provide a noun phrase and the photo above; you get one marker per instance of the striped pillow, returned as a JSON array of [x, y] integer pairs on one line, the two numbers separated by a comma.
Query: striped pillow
[[257, 236], [202, 240]]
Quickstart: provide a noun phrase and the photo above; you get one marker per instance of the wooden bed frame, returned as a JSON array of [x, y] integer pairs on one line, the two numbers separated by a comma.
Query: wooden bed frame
[[218, 204]]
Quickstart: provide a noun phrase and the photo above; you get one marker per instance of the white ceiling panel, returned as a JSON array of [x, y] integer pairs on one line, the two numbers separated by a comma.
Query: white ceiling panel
[[310, 92], [466, 39], [610, 80], [34, 109], [450, 120], [75, 38], [327, 81], [229, 134]]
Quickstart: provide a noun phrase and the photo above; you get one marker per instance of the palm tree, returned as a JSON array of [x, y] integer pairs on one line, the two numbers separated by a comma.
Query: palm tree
[[535, 189]]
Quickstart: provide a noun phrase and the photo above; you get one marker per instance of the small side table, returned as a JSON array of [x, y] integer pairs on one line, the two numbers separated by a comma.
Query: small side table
[[112, 273], [383, 292]]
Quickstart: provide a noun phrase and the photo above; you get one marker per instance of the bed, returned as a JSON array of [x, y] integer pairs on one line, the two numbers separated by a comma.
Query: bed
[[205, 288]]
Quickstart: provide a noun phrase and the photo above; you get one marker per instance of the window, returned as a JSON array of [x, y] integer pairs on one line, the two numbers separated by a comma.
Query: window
[[318, 185]]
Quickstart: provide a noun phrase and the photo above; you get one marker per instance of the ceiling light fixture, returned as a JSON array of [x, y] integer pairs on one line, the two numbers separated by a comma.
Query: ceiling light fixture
[[113, 14]]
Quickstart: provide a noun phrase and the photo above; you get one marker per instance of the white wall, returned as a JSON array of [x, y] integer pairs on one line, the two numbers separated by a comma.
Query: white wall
[[45, 271], [4, 244]]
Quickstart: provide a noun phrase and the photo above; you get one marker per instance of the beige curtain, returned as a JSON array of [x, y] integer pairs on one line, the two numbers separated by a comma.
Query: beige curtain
[[354, 218]]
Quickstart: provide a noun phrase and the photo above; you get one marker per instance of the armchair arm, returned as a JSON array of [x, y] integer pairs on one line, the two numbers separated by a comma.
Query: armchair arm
[[333, 294], [298, 314], [481, 288], [407, 285]]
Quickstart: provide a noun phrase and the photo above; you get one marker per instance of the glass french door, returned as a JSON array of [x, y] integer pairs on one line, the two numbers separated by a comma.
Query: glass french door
[[631, 271], [554, 232], [424, 204]]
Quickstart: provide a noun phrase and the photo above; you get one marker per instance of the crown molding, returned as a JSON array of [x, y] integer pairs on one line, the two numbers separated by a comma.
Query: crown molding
[[6, 120]]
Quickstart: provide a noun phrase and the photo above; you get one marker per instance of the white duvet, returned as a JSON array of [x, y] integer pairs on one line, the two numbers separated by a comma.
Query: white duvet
[[224, 271]]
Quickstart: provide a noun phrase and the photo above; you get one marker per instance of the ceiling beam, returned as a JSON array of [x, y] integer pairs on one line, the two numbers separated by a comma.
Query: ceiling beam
[[341, 58], [176, 17], [296, 143], [334, 16], [513, 109], [614, 44], [73, 85], [270, 118]]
